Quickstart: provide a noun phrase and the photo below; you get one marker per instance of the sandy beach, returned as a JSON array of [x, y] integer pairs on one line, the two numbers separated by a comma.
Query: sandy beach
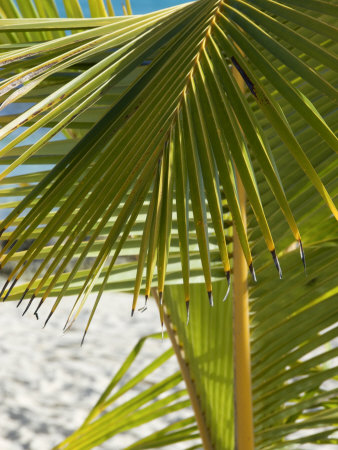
[[49, 383]]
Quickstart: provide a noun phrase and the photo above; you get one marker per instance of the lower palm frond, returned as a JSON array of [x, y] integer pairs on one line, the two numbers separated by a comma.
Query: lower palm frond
[[117, 411]]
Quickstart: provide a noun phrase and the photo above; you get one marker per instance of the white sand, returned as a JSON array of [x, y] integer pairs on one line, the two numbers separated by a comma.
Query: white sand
[[49, 383]]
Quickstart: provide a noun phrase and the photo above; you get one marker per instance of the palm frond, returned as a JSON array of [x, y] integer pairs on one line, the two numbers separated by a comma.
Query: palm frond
[[155, 127], [117, 411], [293, 323], [166, 70]]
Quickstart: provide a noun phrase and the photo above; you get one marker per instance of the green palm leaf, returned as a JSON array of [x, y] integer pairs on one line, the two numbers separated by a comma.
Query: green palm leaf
[[80, 177], [109, 416], [163, 117]]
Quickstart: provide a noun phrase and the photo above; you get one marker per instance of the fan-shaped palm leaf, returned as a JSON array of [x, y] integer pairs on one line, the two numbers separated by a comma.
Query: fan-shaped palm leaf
[[157, 132], [117, 159]]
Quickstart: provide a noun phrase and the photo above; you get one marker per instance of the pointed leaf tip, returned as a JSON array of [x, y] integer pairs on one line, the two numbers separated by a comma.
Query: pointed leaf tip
[[83, 337], [22, 297], [253, 273], [275, 260], [29, 304], [187, 305], [66, 325], [302, 254], [211, 300], [4, 288], [228, 290], [47, 320], [36, 315], [131, 314], [10, 289]]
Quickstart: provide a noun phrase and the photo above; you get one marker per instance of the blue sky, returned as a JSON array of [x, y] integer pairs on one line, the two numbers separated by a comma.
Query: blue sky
[[138, 6]]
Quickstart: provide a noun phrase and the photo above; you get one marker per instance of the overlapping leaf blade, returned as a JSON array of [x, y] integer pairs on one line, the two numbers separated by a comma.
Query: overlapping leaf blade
[[114, 413], [123, 147], [161, 97]]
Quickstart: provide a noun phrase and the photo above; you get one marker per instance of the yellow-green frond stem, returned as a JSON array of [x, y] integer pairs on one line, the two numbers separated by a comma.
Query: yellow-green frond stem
[[145, 243], [247, 121], [209, 177], [298, 100], [196, 191], [284, 55], [121, 243], [236, 143], [155, 228], [131, 208], [275, 116], [166, 214], [110, 8], [128, 5], [144, 178], [212, 112], [182, 207]]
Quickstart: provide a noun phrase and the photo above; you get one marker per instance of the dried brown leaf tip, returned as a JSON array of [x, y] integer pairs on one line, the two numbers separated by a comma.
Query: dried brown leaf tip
[[47, 320], [187, 305], [302, 254], [276, 261], [4, 288], [29, 304], [211, 300], [253, 273], [22, 297], [10, 289], [228, 281]]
